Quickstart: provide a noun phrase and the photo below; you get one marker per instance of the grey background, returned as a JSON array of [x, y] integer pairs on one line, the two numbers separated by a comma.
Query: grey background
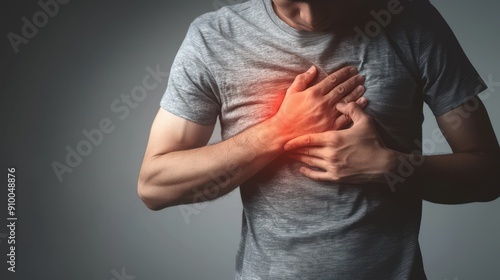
[[92, 225]]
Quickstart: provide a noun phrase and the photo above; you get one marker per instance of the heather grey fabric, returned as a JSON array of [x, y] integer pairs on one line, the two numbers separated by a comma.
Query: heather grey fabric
[[236, 63]]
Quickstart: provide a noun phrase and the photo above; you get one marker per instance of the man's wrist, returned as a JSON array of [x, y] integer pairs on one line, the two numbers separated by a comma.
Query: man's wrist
[[273, 134], [264, 138], [390, 161]]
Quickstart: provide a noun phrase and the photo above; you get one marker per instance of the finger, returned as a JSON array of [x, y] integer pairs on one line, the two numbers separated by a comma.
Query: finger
[[344, 88], [343, 121], [317, 139], [315, 151], [301, 82], [353, 92], [362, 102], [311, 161], [352, 110], [334, 79], [314, 174], [352, 96]]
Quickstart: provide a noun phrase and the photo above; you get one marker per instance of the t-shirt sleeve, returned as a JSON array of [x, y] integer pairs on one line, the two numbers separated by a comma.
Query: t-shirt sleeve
[[447, 76], [191, 90]]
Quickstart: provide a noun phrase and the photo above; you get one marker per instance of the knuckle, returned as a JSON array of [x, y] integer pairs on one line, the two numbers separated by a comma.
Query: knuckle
[[301, 77], [307, 140], [336, 173], [334, 176], [340, 89], [333, 140], [333, 78], [331, 156], [311, 91], [306, 172]]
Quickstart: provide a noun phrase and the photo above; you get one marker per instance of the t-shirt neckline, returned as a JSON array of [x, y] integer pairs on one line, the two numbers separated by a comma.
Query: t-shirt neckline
[[300, 34]]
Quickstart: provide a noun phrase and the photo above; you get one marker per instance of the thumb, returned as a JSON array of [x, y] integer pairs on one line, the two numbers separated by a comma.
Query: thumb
[[302, 80], [352, 110]]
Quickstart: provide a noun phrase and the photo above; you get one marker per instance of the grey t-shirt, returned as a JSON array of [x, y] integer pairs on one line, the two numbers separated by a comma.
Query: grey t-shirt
[[236, 64]]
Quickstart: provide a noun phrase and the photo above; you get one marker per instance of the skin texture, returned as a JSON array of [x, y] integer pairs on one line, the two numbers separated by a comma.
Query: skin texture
[[168, 177], [343, 154], [357, 155]]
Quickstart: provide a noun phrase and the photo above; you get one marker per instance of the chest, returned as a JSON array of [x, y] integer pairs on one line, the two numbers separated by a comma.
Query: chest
[[256, 79]]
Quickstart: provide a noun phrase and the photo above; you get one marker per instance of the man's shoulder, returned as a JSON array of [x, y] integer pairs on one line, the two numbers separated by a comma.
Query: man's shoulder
[[419, 13], [408, 19]]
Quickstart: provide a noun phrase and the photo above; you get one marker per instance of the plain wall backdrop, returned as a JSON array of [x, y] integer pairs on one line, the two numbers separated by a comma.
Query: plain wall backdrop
[[71, 75]]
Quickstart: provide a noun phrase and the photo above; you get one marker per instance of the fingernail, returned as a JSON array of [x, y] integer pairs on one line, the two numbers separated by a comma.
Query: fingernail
[[311, 70], [360, 88], [360, 79], [363, 101], [353, 70]]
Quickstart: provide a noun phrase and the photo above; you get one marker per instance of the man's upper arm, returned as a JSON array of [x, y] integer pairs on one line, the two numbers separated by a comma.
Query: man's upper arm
[[172, 133], [474, 175], [467, 128]]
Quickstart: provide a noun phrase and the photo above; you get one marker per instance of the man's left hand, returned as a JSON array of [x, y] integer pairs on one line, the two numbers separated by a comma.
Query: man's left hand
[[354, 155]]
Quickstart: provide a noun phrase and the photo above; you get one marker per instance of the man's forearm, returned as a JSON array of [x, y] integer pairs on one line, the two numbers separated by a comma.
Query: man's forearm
[[457, 178], [196, 175], [180, 175]]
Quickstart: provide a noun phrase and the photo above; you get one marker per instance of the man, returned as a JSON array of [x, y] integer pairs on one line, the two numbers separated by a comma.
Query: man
[[322, 199]]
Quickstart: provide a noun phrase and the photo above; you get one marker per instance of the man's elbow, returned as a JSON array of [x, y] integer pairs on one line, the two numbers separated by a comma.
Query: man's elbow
[[493, 189], [492, 193], [491, 178], [146, 197], [150, 197]]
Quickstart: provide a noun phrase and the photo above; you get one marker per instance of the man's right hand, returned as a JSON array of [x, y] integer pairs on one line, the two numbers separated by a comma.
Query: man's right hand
[[311, 110], [168, 176]]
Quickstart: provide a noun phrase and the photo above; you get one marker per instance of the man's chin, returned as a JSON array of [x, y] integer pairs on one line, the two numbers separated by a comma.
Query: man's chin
[[317, 28]]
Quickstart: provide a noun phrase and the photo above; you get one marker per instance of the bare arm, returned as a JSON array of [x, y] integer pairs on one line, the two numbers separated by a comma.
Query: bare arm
[[181, 171], [357, 155], [178, 168], [472, 172]]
